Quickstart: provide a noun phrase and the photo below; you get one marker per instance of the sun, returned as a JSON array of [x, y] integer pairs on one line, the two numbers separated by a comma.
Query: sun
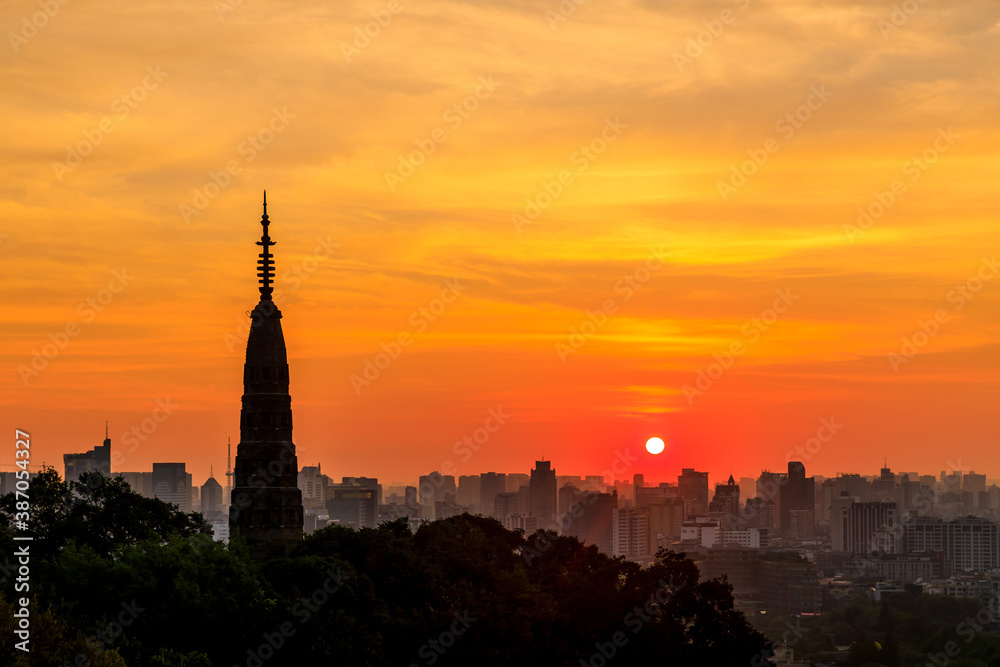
[[654, 445]]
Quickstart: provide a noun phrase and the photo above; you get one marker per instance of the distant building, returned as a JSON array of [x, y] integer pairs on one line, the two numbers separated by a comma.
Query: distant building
[[312, 482], [505, 505], [140, 482], [789, 584], [665, 520], [801, 524], [968, 543], [469, 492], [797, 493], [630, 534], [692, 487], [445, 509], [904, 568], [97, 459], [778, 582], [725, 504], [652, 495], [542, 492], [352, 505], [568, 494], [856, 527], [434, 487], [591, 520], [490, 484], [211, 499], [529, 524], [220, 529], [171, 485]]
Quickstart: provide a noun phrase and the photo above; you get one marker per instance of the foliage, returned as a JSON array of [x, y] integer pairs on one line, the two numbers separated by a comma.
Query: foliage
[[124, 580], [904, 630]]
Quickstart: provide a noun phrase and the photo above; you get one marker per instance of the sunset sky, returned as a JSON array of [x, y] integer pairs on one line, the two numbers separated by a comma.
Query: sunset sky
[[684, 162]]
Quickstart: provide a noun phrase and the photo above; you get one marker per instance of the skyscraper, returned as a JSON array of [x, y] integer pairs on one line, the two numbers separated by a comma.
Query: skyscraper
[[490, 484], [266, 505], [211, 497], [97, 459], [630, 533], [542, 492], [693, 488], [798, 493], [170, 484]]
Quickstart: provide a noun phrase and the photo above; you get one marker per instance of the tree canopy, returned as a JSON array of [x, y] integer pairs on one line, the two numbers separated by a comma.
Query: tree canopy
[[125, 580]]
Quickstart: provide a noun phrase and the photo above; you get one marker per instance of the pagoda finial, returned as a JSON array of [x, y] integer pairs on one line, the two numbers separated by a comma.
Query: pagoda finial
[[265, 265]]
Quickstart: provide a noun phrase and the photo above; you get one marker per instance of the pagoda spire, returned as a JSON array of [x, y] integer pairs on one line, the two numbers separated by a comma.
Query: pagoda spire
[[265, 265]]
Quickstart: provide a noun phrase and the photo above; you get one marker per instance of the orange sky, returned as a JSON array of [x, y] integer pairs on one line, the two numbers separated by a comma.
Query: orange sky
[[623, 123]]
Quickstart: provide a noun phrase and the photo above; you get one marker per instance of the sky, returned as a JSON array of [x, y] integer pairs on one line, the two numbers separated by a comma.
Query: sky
[[759, 230]]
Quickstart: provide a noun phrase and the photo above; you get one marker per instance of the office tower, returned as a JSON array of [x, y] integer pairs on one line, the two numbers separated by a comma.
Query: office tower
[[211, 497], [435, 487], [97, 459], [693, 488], [593, 518], [140, 482], [312, 482], [630, 533], [797, 493], [862, 528], [665, 520], [469, 493], [568, 495], [969, 543], [505, 505], [490, 484], [171, 486], [352, 505], [266, 508], [726, 504], [651, 495], [542, 492], [515, 480]]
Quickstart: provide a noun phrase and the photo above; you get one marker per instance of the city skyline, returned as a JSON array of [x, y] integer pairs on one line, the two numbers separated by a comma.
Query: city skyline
[[838, 231]]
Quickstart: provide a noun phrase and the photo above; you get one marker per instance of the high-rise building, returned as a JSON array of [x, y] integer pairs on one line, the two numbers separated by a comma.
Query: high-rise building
[[211, 497], [567, 495], [170, 484], [693, 489], [353, 505], [646, 496], [630, 533], [266, 508], [725, 504], [665, 520], [505, 505], [974, 484], [365, 483], [469, 493], [97, 459], [140, 482], [542, 492], [969, 543], [490, 484], [859, 527], [797, 493], [515, 480], [435, 487], [312, 482], [592, 521]]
